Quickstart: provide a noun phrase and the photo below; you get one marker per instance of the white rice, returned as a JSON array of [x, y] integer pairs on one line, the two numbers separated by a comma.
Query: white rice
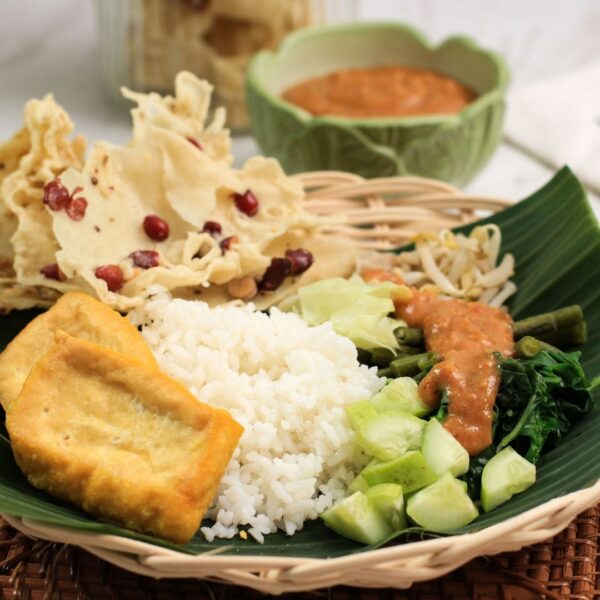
[[287, 384]]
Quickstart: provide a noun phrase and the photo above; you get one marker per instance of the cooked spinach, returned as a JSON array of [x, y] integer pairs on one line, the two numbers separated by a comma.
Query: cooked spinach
[[538, 400]]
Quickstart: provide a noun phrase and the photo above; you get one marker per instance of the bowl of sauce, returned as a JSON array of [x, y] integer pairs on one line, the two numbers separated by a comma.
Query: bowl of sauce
[[377, 99], [381, 92]]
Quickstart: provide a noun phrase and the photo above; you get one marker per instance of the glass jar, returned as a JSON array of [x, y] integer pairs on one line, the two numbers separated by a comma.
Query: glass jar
[[145, 43]]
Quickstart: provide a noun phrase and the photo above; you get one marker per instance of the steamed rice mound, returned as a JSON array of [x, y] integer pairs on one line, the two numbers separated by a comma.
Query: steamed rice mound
[[287, 384]]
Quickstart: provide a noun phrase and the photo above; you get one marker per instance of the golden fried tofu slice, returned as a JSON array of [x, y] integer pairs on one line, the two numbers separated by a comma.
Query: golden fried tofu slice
[[79, 315], [120, 439]]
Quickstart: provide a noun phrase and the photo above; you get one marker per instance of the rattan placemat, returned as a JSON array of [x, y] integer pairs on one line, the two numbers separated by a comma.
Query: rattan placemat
[[566, 566]]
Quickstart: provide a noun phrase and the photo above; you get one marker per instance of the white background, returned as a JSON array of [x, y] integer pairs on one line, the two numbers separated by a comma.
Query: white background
[[52, 45]]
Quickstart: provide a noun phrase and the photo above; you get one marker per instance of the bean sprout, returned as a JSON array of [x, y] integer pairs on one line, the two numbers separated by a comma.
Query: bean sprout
[[459, 266]]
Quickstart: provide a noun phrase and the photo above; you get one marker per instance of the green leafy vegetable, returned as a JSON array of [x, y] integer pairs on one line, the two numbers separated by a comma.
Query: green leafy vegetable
[[538, 400], [356, 309]]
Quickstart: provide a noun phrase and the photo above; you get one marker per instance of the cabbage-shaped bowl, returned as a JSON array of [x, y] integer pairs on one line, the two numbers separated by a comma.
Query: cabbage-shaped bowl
[[452, 148]]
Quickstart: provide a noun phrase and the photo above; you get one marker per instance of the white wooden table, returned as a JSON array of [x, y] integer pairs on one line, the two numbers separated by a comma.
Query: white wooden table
[[52, 46]]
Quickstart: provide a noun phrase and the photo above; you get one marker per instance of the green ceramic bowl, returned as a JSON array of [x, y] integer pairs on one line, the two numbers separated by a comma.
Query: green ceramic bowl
[[452, 148]]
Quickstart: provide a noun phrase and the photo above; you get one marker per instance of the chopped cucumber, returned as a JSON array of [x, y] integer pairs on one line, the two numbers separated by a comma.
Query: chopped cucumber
[[442, 451], [505, 475], [410, 470], [401, 394], [390, 434], [356, 518], [358, 484], [373, 461], [360, 412], [442, 506], [388, 499]]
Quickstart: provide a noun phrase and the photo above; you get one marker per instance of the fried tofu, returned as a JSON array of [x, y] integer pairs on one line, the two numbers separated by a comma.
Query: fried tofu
[[120, 439], [79, 315]]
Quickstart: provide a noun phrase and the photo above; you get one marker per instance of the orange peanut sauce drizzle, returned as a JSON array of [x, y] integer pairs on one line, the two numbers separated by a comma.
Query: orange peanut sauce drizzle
[[465, 336]]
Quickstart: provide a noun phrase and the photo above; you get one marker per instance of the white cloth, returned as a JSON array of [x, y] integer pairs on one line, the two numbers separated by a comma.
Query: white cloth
[[558, 121]]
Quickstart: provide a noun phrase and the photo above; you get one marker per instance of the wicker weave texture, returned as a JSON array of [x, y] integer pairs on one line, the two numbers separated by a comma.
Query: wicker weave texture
[[397, 566], [566, 566], [384, 213]]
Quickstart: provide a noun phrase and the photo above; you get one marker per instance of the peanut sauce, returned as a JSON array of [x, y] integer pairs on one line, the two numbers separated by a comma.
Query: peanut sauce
[[465, 335], [380, 92]]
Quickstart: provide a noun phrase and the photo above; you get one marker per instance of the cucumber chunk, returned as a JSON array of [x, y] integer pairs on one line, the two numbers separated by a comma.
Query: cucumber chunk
[[358, 484], [442, 506], [373, 461], [401, 394], [388, 499], [410, 470], [505, 475], [360, 413], [390, 434], [356, 518], [442, 451]]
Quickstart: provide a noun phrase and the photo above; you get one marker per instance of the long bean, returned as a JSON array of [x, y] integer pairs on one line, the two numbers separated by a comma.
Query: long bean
[[381, 357], [386, 372], [528, 347], [409, 336], [411, 365], [542, 325], [428, 360], [575, 335], [406, 350]]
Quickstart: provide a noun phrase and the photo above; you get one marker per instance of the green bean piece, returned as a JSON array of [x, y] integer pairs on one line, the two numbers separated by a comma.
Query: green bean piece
[[428, 360], [410, 365], [575, 335], [409, 336], [528, 347], [407, 350], [542, 325], [382, 357]]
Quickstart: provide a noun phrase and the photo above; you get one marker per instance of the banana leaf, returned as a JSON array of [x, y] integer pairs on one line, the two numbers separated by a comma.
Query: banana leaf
[[555, 239]]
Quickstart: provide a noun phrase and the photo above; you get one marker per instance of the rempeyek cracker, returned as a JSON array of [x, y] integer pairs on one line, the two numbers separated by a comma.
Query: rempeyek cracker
[[213, 239], [11, 153], [34, 156], [169, 209], [185, 114]]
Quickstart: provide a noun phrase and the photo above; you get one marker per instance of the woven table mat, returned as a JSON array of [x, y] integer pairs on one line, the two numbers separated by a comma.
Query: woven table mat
[[566, 566]]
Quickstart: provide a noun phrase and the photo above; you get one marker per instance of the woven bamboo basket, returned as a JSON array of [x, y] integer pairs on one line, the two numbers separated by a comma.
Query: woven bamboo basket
[[385, 213], [379, 214], [565, 567]]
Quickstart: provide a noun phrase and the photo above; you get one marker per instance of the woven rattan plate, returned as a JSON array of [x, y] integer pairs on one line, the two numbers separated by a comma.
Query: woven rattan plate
[[566, 566], [380, 214]]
